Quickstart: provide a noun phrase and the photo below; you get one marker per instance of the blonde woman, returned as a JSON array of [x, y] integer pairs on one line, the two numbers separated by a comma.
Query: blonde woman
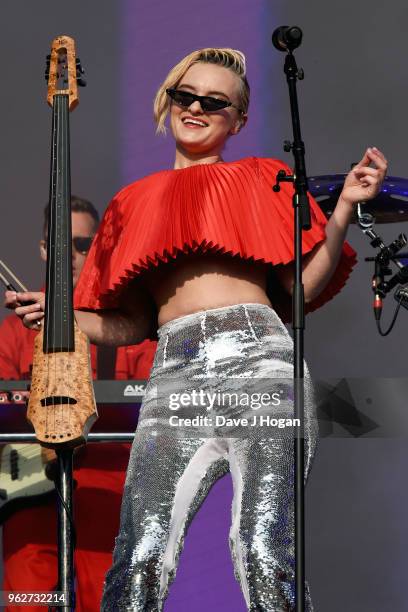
[[204, 252]]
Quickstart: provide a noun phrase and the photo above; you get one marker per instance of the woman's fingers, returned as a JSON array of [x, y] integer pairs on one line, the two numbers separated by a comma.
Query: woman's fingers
[[363, 161], [367, 175], [377, 153], [369, 180], [378, 158], [367, 170], [374, 155]]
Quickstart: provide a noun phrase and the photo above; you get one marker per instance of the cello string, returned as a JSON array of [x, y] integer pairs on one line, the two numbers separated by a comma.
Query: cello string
[[68, 254], [57, 246], [64, 206], [55, 251], [53, 261], [69, 279], [46, 329], [61, 202]]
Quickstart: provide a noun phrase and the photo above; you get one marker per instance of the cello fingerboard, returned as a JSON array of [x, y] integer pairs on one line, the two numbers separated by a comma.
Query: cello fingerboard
[[58, 325]]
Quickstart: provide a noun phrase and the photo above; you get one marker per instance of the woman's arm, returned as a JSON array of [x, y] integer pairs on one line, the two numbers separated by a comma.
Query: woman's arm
[[130, 324], [362, 183]]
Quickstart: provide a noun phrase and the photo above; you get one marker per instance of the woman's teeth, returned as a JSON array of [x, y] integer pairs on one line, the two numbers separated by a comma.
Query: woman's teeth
[[194, 122]]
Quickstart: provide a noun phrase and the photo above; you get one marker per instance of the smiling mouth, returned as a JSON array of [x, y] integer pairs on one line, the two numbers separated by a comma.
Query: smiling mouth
[[194, 123]]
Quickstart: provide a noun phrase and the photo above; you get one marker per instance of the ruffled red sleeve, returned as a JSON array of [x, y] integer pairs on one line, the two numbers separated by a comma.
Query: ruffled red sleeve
[[226, 208]]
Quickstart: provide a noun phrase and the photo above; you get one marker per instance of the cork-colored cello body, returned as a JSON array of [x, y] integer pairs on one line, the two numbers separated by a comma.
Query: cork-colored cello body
[[62, 404]]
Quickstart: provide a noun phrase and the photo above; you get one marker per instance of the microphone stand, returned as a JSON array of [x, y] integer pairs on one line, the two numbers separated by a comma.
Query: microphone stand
[[302, 222], [66, 528]]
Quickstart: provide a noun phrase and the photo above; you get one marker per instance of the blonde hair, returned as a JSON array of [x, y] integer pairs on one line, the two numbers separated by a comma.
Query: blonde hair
[[228, 58]]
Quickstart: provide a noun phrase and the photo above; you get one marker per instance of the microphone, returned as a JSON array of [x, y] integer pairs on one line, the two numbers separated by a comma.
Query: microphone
[[378, 303], [287, 38], [378, 280]]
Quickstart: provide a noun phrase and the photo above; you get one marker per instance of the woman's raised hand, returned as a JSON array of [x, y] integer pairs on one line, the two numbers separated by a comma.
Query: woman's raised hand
[[364, 181]]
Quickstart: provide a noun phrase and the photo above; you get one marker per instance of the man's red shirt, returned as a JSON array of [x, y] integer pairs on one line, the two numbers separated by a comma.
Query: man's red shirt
[[29, 535]]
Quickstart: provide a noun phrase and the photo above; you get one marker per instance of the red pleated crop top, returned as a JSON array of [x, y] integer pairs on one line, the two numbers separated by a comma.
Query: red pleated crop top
[[227, 208]]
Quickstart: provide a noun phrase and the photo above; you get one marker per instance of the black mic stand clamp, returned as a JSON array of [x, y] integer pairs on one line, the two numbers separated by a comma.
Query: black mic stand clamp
[[382, 268], [400, 277], [383, 258]]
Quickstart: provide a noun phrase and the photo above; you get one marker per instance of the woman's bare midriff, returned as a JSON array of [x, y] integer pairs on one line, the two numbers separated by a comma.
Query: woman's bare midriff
[[196, 282]]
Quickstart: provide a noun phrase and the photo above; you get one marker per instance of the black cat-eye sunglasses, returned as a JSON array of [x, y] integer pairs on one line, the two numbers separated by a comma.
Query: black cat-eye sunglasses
[[207, 103]]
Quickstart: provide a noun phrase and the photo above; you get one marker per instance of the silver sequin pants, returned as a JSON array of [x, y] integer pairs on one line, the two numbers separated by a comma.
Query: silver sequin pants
[[247, 349]]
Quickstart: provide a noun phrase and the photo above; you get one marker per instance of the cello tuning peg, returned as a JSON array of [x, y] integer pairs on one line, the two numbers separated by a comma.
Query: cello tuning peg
[[48, 57], [79, 65], [81, 82]]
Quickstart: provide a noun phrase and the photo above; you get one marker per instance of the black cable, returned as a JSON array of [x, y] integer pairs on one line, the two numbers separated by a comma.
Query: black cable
[[392, 322], [69, 515], [73, 534]]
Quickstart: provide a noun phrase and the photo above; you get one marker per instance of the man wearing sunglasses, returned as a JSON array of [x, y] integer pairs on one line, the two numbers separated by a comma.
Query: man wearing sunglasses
[[29, 534], [84, 223]]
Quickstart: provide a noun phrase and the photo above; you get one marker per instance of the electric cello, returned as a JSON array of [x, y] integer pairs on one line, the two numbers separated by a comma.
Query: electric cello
[[62, 405]]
